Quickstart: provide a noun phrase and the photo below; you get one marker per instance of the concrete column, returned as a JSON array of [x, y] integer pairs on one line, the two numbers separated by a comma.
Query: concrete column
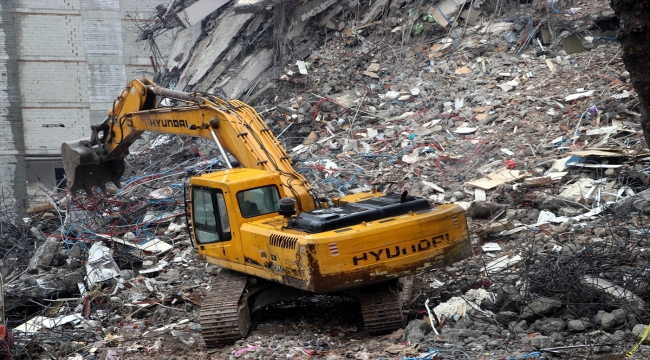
[[13, 188]]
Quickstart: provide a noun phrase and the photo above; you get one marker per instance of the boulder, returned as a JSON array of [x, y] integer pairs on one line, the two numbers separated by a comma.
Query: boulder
[[549, 326], [47, 255], [638, 332], [541, 306], [615, 318]]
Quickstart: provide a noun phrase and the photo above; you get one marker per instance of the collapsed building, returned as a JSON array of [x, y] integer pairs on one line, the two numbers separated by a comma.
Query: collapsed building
[[522, 112]]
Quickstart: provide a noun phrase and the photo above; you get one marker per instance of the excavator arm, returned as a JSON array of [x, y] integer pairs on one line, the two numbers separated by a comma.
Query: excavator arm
[[233, 125]]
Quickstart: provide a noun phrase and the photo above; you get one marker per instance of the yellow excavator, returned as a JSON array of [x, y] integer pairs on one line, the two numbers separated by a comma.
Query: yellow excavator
[[263, 224]]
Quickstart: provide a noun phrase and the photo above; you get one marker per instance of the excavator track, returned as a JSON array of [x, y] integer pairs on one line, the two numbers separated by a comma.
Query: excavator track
[[381, 308], [225, 317]]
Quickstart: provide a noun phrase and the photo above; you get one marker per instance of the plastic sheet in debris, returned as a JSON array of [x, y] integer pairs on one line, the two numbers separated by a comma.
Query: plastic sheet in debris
[[501, 263], [162, 193], [491, 246], [100, 265], [32, 326], [153, 245], [161, 265], [459, 305]]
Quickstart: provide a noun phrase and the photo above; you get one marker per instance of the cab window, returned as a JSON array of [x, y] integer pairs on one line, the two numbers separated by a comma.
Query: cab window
[[209, 215], [259, 201]]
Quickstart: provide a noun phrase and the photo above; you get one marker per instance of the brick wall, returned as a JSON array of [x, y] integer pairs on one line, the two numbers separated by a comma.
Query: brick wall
[[48, 4], [62, 62], [54, 123]]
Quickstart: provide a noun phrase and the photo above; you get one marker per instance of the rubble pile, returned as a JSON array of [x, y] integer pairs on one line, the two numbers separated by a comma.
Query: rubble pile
[[521, 112]]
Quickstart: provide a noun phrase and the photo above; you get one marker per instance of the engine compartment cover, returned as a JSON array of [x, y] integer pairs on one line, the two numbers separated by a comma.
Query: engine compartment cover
[[355, 213]]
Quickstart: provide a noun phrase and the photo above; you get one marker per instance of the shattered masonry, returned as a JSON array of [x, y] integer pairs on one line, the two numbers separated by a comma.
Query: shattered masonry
[[539, 141]]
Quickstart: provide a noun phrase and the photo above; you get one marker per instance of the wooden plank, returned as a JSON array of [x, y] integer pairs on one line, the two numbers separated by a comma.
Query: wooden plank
[[498, 177]]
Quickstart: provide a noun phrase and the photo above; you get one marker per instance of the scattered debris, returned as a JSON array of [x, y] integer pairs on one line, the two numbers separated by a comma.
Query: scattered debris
[[522, 113]]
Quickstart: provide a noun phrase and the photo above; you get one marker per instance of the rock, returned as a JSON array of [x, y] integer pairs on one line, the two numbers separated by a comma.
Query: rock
[[557, 337], [599, 316], [619, 335], [459, 195], [153, 259], [451, 334], [30, 281], [507, 316], [334, 357], [551, 203], [569, 211], [47, 255], [638, 202], [601, 232], [549, 326], [541, 342], [639, 330], [172, 276], [576, 326], [414, 331], [68, 282], [127, 274], [484, 209], [615, 318], [541, 306]]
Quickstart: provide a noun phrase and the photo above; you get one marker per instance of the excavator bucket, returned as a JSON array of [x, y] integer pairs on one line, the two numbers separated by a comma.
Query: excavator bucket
[[85, 169]]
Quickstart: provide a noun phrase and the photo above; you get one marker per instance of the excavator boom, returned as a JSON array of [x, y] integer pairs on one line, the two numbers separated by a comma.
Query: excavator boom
[[233, 125]]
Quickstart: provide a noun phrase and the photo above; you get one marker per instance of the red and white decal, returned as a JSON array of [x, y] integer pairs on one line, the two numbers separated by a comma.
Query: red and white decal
[[334, 250], [455, 219]]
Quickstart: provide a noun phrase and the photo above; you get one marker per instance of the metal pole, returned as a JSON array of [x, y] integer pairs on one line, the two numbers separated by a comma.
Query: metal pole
[[175, 94], [221, 150]]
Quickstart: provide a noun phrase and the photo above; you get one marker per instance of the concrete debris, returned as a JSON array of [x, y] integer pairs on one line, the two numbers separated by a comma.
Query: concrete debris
[[100, 265], [523, 114], [196, 12]]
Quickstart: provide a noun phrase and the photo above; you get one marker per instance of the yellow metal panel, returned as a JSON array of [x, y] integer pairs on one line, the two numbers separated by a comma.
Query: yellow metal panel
[[230, 182], [365, 253], [357, 197]]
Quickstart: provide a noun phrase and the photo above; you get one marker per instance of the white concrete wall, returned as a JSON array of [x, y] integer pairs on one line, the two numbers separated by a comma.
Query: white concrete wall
[[12, 147], [62, 62]]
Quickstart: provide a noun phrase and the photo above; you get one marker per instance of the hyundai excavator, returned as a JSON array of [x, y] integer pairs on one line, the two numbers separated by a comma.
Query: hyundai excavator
[[262, 223]]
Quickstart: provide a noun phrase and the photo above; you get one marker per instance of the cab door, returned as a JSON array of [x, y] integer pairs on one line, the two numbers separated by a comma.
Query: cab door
[[214, 230]]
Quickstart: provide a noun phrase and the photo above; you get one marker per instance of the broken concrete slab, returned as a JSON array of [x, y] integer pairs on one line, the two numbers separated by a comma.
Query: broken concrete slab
[[307, 10], [253, 66], [444, 9], [252, 6], [210, 49], [196, 12], [181, 47], [376, 8], [50, 253], [470, 15], [614, 291], [578, 190], [498, 177]]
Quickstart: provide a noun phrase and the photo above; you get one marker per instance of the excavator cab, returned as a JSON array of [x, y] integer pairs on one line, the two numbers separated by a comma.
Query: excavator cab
[[221, 202]]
